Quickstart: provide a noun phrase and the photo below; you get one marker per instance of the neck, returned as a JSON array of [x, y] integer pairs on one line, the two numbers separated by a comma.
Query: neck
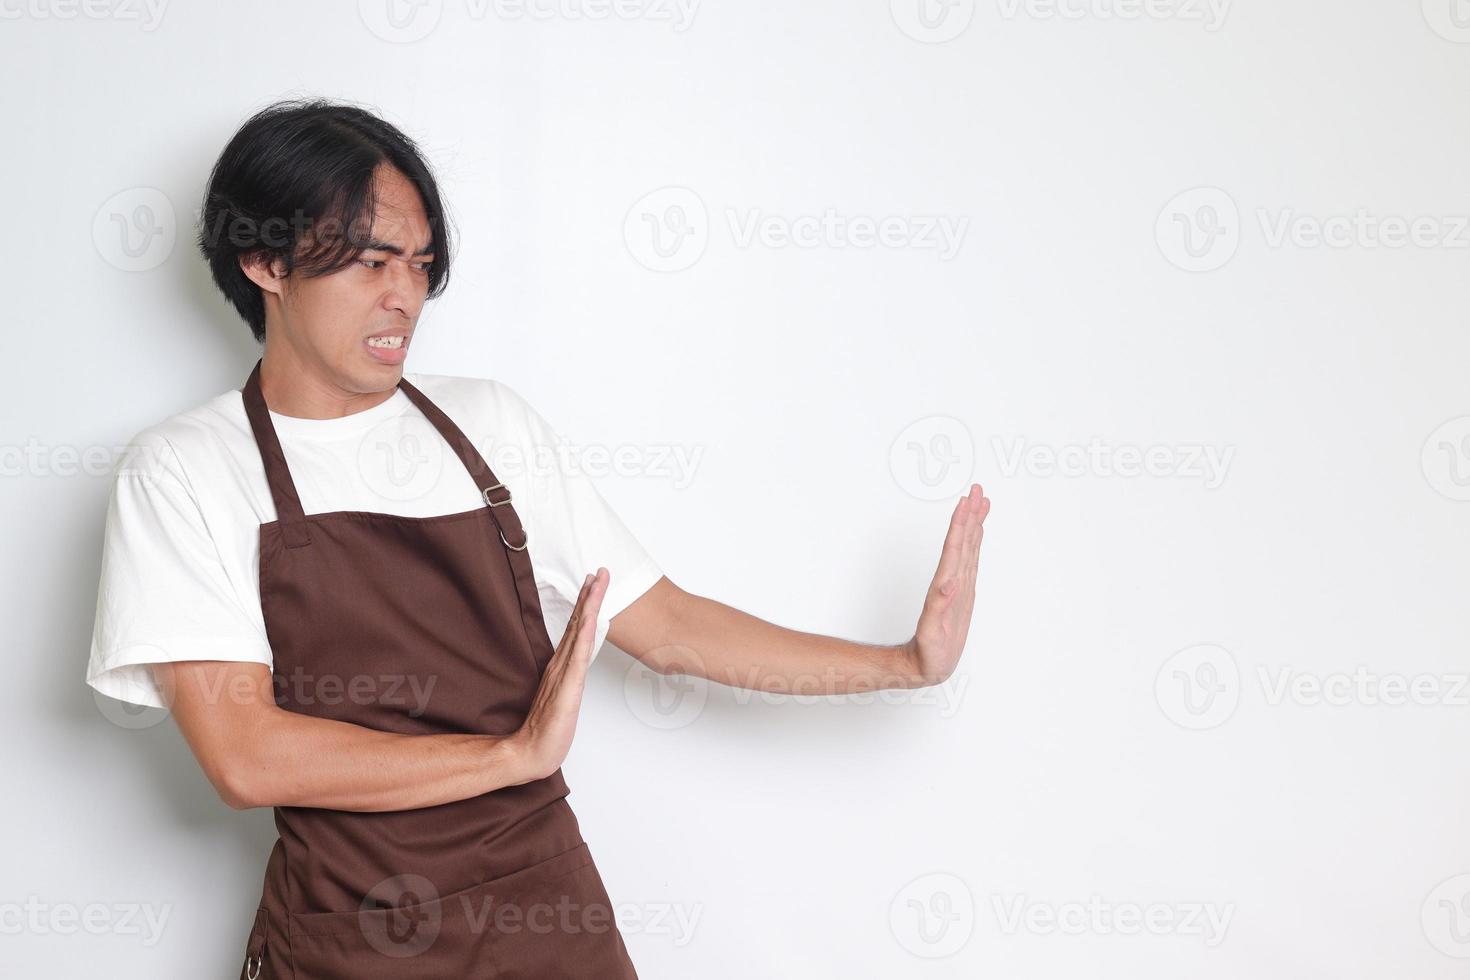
[[308, 389]]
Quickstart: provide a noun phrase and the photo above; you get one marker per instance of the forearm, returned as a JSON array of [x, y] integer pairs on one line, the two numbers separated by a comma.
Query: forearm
[[712, 640], [301, 760]]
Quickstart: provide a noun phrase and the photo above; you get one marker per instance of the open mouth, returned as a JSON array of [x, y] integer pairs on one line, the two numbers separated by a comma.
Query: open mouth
[[388, 348]]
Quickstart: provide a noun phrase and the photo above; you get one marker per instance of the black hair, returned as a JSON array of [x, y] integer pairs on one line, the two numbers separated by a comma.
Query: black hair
[[303, 168]]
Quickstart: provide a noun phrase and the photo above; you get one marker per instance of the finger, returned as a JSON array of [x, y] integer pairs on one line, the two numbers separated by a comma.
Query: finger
[[566, 648], [971, 501], [579, 608], [968, 546], [963, 524], [973, 561], [579, 655], [951, 554], [580, 605], [979, 506], [582, 627], [596, 590], [556, 667], [559, 687], [982, 511], [587, 606]]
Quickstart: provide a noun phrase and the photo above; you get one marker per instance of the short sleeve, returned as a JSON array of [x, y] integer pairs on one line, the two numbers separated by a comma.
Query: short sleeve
[[163, 594], [572, 531]]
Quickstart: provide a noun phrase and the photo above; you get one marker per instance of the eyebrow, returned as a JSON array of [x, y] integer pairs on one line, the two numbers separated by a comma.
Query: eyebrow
[[377, 246]]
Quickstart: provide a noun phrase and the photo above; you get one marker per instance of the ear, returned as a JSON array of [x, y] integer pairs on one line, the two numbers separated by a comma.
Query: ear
[[268, 275]]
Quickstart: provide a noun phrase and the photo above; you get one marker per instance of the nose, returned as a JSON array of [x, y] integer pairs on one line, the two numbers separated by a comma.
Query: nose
[[405, 289]]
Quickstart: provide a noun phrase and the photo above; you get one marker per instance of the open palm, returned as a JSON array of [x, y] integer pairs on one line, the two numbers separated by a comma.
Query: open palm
[[944, 622]]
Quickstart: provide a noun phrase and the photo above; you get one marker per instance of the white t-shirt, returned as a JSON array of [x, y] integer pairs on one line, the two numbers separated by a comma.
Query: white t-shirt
[[180, 564]]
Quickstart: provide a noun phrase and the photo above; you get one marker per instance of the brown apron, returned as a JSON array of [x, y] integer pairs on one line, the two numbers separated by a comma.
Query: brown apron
[[417, 625]]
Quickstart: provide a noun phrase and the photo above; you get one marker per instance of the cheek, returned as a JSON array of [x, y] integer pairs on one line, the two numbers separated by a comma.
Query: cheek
[[344, 311]]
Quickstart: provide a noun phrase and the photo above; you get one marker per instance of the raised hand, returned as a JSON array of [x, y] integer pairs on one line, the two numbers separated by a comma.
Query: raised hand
[[543, 740], [944, 622]]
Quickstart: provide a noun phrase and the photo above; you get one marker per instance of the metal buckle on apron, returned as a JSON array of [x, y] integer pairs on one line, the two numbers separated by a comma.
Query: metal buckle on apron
[[497, 486], [255, 955], [525, 537]]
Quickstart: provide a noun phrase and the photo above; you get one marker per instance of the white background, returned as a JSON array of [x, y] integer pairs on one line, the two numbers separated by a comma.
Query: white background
[[1116, 733]]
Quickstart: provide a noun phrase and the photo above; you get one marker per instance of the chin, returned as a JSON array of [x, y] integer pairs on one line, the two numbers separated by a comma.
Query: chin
[[363, 374]]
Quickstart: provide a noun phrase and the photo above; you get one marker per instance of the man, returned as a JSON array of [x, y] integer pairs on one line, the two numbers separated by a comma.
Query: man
[[361, 643]]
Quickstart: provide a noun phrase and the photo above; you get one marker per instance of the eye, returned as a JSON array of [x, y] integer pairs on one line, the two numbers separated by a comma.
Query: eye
[[371, 263], [426, 266]]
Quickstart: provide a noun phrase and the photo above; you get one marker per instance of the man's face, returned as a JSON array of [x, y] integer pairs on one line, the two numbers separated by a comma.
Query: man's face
[[352, 328]]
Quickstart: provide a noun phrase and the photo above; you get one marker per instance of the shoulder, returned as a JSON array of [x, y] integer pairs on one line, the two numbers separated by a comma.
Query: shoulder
[[167, 450], [466, 390], [485, 403]]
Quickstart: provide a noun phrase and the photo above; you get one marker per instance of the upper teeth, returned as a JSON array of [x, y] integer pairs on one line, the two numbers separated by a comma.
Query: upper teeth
[[385, 341]]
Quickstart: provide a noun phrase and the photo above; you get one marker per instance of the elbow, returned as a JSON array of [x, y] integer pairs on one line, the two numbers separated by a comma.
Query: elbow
[[672, 660], [234, 786], [235, 801]]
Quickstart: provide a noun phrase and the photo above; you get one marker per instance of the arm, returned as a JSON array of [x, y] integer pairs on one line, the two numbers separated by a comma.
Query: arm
[[673, 631], [256, 753]]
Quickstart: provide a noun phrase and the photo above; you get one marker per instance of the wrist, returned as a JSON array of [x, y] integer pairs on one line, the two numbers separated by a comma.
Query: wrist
[[904, 664], [506, 761]]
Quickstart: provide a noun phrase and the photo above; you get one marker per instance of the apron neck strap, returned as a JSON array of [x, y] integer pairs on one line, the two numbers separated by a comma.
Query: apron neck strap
[[294, 526], [277, 473], [494, 493]]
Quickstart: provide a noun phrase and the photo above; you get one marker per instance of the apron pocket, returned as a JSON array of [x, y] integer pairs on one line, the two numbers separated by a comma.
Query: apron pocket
[[451, 936], [566, 928]]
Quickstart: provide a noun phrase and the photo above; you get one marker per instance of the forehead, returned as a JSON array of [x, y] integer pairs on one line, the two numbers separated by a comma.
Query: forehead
[[399, 212]]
